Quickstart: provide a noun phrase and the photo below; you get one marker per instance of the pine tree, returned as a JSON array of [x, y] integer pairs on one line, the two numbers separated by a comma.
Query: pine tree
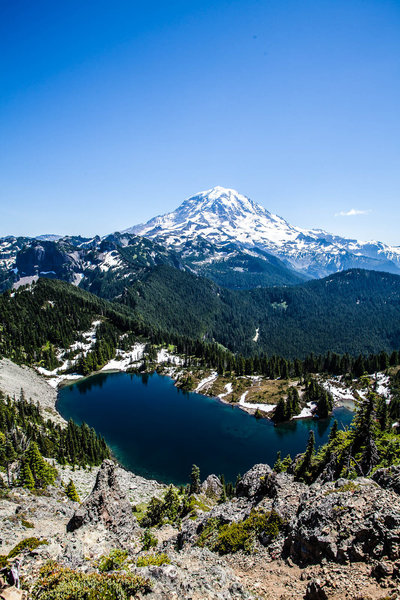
[[195, 480], [71, 492], [305, 464], [25, 476], [278, 462], [333, 431], [43, 473]]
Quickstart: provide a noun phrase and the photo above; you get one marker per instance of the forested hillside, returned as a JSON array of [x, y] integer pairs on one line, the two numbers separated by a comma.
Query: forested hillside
[[355, 311], [35, 320]]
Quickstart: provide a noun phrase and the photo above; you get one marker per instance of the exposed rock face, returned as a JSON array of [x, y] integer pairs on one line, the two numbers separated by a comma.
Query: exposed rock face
[[283, 494], [212, 486], [107, 504], [253, 484], [356, 521], [315, 591], [388, 478]]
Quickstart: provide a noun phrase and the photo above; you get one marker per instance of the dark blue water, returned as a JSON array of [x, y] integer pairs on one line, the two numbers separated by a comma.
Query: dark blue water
[[158, 431]]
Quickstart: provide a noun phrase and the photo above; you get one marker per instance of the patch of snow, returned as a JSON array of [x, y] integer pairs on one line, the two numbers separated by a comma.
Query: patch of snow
[[25, 281], [264, 407], [307, 411], [255, 338], [163, 356], [228, 390], [205, 381], [77, 278]]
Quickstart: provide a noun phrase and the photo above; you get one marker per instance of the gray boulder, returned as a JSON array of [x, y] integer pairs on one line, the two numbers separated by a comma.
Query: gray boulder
[[254, 484], [106, 504], [388, 478], [212, 487], [354, 521]]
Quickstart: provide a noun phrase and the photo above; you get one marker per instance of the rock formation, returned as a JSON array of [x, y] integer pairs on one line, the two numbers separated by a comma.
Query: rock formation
[[106, 504]]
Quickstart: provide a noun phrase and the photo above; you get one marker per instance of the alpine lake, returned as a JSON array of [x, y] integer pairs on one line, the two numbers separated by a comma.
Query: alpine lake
[[157, 431]]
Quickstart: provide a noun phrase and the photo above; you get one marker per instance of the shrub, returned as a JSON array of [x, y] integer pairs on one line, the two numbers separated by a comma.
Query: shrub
[[232, 538], [153, 559], [113, 562], [148, 540], [26, 544], [57, 582], [227, 539]]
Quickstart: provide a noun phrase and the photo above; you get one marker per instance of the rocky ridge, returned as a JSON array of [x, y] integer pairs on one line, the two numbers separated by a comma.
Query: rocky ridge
[[337, 540]]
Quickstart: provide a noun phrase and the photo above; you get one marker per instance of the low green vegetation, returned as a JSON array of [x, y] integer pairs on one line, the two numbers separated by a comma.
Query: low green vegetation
[[27, 544], [157, 559], [148, 540], [230, 538], [56, 583], [114, 561], [173, 507]]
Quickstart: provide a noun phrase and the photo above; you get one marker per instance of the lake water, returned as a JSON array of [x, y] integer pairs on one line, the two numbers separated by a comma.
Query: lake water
[[158, 431]]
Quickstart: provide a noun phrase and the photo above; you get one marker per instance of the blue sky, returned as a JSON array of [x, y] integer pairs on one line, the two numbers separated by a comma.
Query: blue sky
[[113, 112]]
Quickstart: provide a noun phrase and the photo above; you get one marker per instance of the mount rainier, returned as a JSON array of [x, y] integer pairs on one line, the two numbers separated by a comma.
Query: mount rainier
[[225, 218]]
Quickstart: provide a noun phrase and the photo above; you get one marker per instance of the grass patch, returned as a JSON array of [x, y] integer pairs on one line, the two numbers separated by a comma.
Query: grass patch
[[347, 487]]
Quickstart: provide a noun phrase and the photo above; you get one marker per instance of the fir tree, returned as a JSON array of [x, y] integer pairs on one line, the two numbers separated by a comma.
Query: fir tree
[[333, 431], [195, 480], [305, 464], [25, 476], [71, 492]]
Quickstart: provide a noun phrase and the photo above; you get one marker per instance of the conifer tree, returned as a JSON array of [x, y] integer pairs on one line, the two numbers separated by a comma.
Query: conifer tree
[[305, 464], [43, 473], [26, 479], [71, 492], [333, 431], [195, 480]]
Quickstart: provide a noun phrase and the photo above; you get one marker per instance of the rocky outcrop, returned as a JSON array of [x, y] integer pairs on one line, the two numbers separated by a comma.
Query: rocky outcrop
[[107, 504], [388, 478], [283, 494], [212, 487], [254, 484], [351, 521]]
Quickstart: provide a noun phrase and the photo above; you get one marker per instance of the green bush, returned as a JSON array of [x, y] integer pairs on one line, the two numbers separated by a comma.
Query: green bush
[[227, 539], [153, 559], [56, 583], [26, 544], [148, 540], [232, 538], [113, 562]]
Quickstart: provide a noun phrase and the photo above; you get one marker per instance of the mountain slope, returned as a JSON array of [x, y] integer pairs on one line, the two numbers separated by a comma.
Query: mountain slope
[[104, 266], [354, 311], [223, 216]]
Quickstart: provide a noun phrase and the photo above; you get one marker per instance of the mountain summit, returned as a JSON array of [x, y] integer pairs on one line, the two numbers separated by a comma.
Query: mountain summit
[[222, 216]]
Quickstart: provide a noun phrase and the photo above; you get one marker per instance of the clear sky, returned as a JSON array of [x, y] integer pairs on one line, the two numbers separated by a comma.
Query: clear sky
[[114, 111]]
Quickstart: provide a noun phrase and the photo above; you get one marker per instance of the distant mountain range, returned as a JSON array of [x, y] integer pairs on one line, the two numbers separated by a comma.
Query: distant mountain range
[[219, 234]]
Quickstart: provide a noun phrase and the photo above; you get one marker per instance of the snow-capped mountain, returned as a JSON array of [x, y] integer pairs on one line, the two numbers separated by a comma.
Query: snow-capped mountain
[[223, 216], [95, 264]]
